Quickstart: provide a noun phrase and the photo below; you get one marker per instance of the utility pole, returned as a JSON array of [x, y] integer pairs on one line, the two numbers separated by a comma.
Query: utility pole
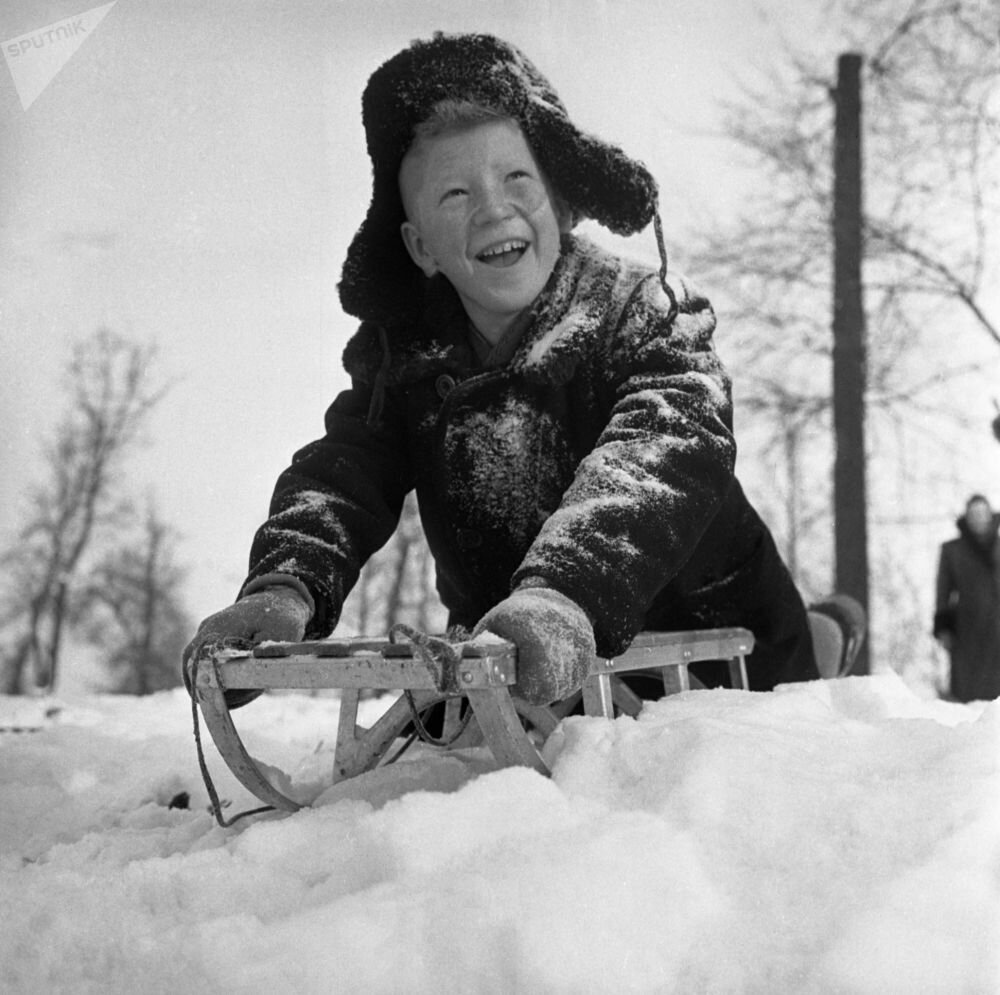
[[849, 489]]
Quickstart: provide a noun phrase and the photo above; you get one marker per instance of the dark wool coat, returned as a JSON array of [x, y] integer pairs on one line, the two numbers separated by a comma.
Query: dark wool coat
[[968, 607], [600, 458]]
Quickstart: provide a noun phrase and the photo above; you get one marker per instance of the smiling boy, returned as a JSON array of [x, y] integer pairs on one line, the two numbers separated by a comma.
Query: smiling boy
[[560, 411], [481, 213]]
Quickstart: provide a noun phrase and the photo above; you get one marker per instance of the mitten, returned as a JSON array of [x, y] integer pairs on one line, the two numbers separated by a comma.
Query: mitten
[[554, 639], [277, 613]]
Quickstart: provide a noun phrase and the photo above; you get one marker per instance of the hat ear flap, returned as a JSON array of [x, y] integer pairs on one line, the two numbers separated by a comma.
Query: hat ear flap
[[595, 179], [379, 281]]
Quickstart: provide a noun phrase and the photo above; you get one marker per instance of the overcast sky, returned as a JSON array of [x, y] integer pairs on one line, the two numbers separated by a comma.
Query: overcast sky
[[192, 177]]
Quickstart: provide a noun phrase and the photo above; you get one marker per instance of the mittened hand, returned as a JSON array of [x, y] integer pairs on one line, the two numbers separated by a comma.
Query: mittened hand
[[278, 614], [554, 639]]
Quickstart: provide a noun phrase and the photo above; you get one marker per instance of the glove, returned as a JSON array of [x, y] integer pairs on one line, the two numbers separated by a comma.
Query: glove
[[554, 639], [277, 613]]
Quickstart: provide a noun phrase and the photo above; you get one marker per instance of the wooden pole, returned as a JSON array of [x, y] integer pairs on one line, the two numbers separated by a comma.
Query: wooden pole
[[849, 486]]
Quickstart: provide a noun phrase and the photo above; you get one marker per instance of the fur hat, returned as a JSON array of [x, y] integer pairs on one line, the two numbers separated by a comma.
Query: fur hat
[[596, 180]]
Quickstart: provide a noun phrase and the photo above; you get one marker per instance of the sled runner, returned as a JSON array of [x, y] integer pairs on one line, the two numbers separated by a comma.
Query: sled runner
[[470, 681]]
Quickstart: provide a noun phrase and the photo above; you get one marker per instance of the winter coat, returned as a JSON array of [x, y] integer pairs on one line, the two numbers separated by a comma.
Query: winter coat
[[599, 459], [968, 607]]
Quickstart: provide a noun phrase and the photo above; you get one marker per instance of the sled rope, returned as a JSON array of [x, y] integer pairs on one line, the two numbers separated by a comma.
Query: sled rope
[[404, 746], [430, 650], [213, 795], [425, 734]]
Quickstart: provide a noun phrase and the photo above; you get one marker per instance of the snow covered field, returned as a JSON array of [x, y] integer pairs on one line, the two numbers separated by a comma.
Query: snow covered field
[[837, 837]]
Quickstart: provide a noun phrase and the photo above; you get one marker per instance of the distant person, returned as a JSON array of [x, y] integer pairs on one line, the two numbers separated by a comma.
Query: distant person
[[560, 410], [967, 613]]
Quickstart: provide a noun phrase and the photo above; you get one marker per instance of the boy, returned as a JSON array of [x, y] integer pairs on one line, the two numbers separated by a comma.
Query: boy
[[561, 412]]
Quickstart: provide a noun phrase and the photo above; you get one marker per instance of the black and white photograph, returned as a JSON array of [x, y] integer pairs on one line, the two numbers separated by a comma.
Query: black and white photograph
[[500, 499]]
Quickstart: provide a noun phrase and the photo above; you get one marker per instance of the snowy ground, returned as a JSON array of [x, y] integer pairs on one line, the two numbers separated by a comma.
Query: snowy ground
[[838, 837]]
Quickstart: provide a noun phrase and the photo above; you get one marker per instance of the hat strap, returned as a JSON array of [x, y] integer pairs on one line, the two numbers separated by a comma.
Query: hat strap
[[661, 247], [377, 402]]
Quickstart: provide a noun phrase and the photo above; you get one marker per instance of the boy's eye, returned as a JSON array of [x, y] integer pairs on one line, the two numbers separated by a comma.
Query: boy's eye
[[453, 192]]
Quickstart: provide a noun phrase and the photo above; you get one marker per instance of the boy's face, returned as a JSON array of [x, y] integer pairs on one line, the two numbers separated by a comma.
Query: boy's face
[[481, 212]]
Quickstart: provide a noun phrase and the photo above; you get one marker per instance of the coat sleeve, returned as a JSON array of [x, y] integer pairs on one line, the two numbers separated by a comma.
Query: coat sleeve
[[944, 604], [336, 504], [661, 468]]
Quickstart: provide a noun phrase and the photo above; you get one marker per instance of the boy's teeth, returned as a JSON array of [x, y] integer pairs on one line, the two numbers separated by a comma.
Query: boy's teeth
[[499, 250]]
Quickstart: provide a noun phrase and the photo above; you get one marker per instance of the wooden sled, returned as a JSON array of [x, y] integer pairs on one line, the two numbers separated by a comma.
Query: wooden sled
[[472, 679]]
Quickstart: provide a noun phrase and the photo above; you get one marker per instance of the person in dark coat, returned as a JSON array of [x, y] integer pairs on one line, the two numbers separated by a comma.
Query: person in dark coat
[[967, 612], [560, 411]]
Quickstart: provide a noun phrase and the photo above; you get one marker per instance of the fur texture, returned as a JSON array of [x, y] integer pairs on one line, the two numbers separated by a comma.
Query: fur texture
[[596, 180]]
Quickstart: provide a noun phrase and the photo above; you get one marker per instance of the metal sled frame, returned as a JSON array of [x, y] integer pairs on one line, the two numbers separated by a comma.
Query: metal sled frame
[[480, 672]]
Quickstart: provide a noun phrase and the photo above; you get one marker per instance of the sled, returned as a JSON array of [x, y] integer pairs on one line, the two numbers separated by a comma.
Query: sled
[[470, 681]]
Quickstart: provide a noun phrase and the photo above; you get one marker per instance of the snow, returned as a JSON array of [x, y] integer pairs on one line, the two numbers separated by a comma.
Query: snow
[[832, 837]]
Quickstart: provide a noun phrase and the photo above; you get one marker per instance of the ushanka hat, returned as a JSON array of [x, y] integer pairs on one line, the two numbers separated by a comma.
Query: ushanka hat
[[595, 179]]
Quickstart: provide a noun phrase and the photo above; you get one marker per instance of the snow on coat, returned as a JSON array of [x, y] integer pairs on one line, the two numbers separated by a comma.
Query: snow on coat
[[968, 607], [600, 459]]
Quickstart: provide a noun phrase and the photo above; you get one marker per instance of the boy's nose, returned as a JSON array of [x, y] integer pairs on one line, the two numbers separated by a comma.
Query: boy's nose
[[493, 203]]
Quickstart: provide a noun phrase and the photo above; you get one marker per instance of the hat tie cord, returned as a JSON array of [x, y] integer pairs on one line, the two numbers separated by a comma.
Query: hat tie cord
[[662, 248]]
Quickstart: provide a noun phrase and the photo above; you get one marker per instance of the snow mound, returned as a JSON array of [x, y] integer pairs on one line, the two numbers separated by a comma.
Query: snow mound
[[830, 837]]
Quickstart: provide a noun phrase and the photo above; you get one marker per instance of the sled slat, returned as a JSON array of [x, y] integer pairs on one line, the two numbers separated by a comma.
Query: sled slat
[[658, 649], [347, 646], [309, 672], [385, 667]]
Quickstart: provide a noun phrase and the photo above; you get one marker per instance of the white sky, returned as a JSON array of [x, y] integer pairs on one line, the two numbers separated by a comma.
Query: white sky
[[194, 173]]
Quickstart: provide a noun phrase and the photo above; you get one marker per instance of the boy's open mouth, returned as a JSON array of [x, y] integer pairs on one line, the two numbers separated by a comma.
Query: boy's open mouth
[[504, 254]]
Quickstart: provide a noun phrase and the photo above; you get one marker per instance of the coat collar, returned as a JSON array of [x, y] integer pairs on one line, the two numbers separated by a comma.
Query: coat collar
[[587, 288]]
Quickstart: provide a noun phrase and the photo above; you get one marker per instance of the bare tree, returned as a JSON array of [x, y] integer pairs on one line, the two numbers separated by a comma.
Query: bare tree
[[932, 203], [935, 72], [109, 398], [130, 608]]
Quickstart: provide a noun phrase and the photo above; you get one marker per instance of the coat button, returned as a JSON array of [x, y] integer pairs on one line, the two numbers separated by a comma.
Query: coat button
[[469, 539], [444, 385]]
